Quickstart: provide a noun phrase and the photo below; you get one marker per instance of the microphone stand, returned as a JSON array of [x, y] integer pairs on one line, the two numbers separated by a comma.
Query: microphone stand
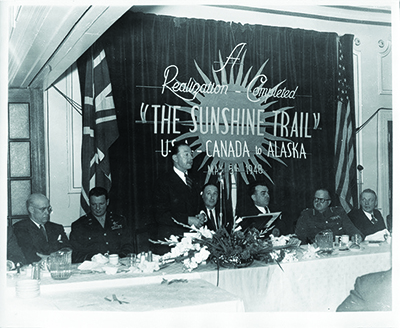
[[221, 188]]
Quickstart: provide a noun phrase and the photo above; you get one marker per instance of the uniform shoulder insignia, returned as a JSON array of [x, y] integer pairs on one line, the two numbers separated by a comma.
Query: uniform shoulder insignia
[[306, 211]]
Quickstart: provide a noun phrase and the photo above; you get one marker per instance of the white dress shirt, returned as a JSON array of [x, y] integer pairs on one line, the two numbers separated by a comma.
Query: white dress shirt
[[180, 174]]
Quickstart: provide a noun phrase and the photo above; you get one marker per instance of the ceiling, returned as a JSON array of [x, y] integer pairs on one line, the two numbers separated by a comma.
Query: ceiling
[[44, 41]]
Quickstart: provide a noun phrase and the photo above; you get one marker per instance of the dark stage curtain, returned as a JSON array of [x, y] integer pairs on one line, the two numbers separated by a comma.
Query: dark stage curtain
[[140, 46]]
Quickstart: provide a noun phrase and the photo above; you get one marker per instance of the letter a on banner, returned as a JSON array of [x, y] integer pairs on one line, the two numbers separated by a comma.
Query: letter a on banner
[[100, 128]]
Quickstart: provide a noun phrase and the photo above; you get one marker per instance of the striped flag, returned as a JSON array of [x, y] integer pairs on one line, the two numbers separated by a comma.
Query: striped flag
[[100, 129], [344, 139]]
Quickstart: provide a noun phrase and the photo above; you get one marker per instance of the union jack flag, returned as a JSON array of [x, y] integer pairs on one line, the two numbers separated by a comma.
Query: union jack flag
[[100, 128]]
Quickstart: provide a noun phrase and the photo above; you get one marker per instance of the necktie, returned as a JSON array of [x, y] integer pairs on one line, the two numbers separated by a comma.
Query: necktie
[[212, 218], [374, 219], [189, 181], [43, 230]]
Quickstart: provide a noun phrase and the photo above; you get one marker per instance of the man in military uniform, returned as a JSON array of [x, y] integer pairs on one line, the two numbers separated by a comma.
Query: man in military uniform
[[322, 217], [100, 231]]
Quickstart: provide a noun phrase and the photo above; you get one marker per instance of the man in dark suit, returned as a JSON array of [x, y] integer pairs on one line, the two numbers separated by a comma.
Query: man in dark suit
[[259, 194], [14, 252], [372, 292], [37, 236], [367, 219], [177, 196], [213, 218]]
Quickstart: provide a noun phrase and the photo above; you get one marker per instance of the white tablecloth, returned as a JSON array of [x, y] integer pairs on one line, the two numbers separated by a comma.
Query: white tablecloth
[[308, 285], [191, 295]]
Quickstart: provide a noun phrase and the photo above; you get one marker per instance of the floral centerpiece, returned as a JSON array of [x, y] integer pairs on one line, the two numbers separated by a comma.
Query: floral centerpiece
[[234, 248], [240, 248], [187, 248]]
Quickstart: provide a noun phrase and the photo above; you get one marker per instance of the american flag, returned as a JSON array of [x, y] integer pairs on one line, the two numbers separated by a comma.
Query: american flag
[[100, 129], [344, 139]]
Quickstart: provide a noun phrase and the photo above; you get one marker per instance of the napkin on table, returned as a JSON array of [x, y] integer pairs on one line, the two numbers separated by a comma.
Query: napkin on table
[[378, 236]]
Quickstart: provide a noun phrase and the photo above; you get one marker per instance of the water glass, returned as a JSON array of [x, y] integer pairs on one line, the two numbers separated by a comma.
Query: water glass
[[131, 259], [356, 239], [36, 271]]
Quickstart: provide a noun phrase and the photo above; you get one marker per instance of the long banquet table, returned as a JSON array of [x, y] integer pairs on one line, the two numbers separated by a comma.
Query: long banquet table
[[306, 285], [309, 285]]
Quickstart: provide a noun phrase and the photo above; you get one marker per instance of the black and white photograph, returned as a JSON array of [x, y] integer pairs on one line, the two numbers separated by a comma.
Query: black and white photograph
[[198, 164]]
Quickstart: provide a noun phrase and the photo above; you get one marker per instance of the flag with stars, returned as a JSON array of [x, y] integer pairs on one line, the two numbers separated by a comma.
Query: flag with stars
[[345, 153], [100, 128]]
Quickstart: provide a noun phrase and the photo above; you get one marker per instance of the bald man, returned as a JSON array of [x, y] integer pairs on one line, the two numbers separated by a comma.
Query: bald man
[[37, 236]]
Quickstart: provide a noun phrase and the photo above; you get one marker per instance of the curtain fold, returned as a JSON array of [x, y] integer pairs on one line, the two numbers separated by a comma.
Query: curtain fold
[[140, 46]]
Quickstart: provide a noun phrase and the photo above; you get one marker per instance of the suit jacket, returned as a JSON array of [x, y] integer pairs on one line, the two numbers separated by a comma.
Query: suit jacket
[[32, 240], [372, 292], [210, 223], [174, 199], [362, 223], [14, 252]]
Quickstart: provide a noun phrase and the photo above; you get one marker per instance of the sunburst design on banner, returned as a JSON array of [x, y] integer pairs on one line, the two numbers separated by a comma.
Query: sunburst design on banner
[[225, 124]]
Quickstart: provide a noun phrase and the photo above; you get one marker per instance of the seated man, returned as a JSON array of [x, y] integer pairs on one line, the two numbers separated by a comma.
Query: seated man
[[372, 292], [213, 220], [322, 217], [367, 219], [37, 236], [259, 194], [99, 231]]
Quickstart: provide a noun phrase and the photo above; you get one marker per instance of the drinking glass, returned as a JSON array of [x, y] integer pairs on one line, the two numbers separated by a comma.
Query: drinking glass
[[356, 239], [131, 259]]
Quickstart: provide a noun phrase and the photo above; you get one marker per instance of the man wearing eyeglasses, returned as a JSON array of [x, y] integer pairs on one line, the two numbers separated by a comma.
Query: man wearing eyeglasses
[[323, 217], [37, 236]]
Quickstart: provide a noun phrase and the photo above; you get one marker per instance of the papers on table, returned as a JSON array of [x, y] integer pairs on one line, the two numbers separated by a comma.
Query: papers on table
[[378, 236], [260, 222]]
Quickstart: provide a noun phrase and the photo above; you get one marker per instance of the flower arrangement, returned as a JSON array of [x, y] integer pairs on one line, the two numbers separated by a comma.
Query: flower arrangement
[[240, 248], [234, 248], [186, 248]]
